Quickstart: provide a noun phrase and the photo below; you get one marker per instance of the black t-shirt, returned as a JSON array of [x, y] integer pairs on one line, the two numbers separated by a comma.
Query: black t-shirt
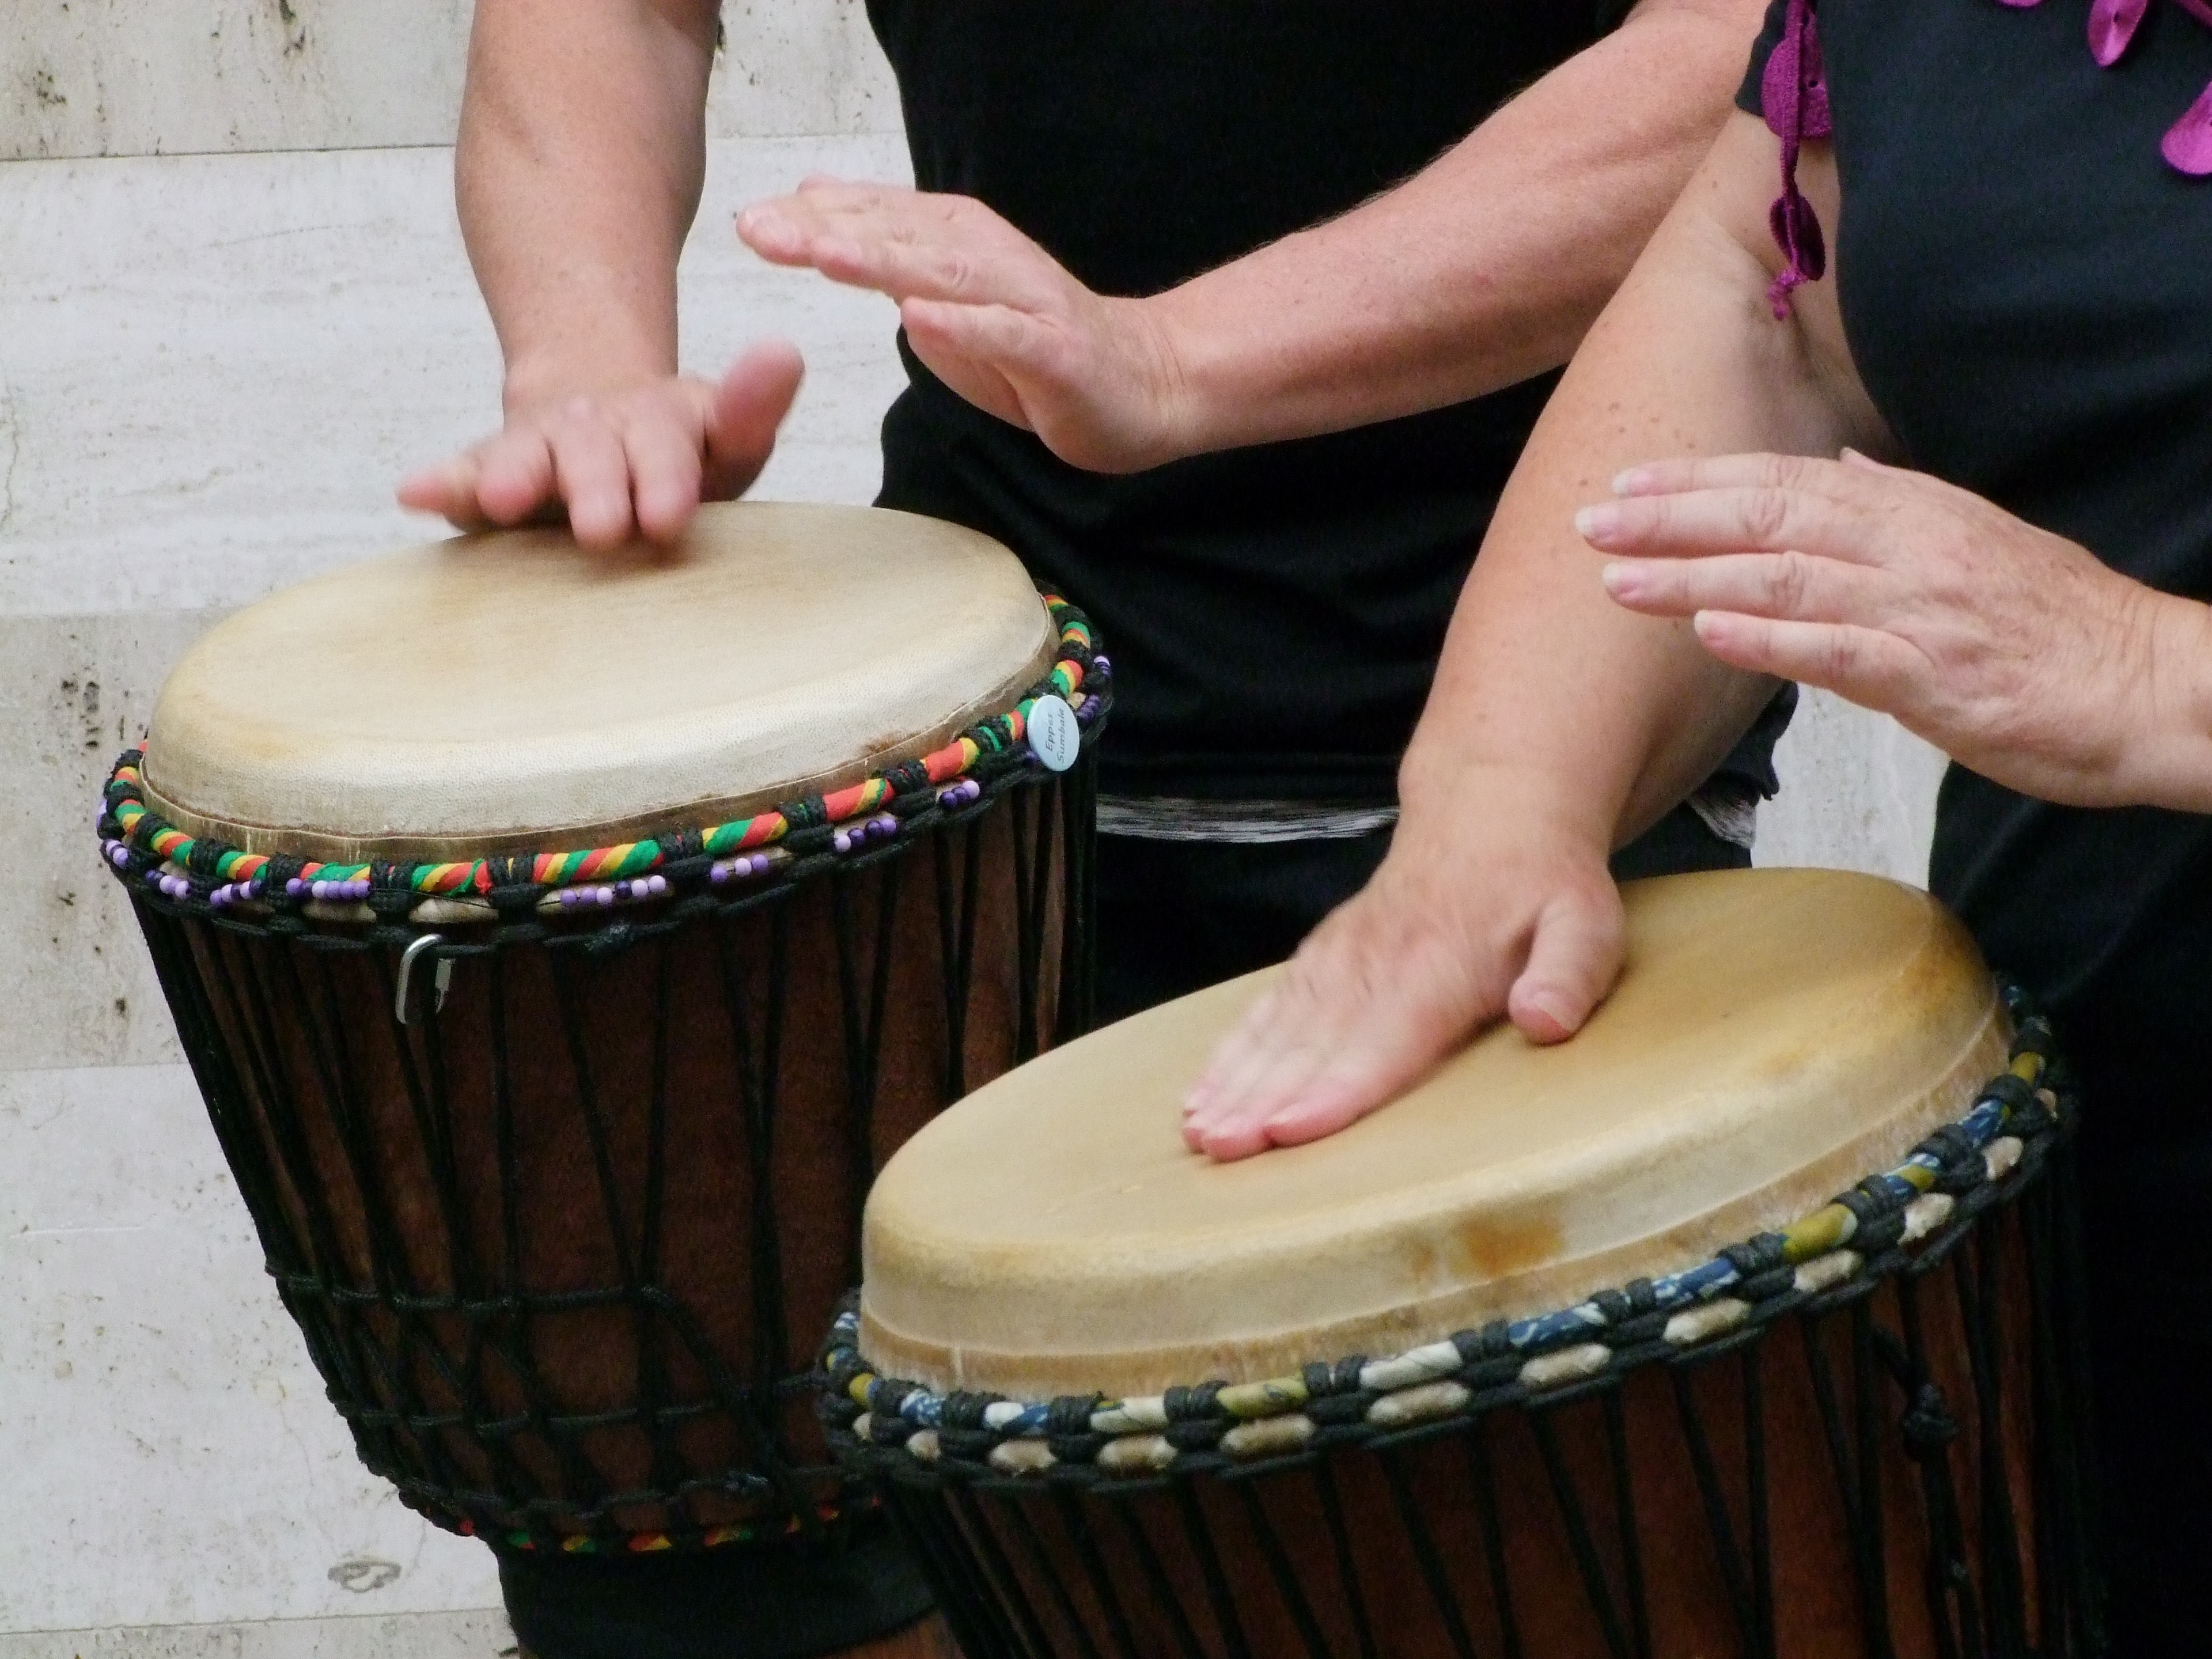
[[1274, 613], [2027, 287]]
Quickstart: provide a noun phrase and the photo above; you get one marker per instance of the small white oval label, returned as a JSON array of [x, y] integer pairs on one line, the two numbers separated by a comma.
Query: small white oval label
[[1055, 735]]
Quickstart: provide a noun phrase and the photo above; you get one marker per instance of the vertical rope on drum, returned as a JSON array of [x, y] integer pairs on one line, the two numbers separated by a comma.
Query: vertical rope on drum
[[999, 1570], [1624, 1499], [592, 1486], [1979, 1310], [879, 1004], [965, 1608], [2073, 1350], [1028, 904], [1484, 1482], [259, 1166], [463, 1271], [2054, 1611], [347, 1116], [276, 1132], [1874, 1613], [1755, 1473], [515, 1343], [1077, 1528], [949, 962], [2070, 1621], [1164, 1598], [1348, 1564], [654, 1392], [1425, 1553], [972, 911], [753, 1404], [229, 1111], [428, 1106], [1866, 1398], [756, 1121], [1078, 791], [1279, 1567], [1736, 1579], [1579, 1541], [1200, 1540], [863, 1026], [1042, 865], [1041, 1565], [1951, 1602], [733, 1394]]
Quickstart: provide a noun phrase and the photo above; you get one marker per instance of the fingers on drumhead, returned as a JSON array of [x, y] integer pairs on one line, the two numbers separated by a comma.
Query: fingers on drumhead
[[1575, 955]]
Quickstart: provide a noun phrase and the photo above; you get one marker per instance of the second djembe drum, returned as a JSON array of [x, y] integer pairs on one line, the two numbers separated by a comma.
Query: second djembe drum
[[1741, 1324], [562, 941]]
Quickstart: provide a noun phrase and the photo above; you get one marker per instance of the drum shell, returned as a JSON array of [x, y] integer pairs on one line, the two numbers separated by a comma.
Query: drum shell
[[559, 1245], [1780, 1493]]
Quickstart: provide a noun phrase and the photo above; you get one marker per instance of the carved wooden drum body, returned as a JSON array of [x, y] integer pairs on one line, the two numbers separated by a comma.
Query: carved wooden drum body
[[1571, 1351], [561, 942]]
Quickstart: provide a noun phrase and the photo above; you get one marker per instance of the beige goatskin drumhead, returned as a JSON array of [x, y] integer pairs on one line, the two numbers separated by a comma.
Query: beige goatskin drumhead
[[512, 692], [1778, 1036]]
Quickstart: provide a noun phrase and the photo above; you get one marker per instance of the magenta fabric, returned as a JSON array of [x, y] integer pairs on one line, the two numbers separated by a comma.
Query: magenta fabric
[[1794, 97]]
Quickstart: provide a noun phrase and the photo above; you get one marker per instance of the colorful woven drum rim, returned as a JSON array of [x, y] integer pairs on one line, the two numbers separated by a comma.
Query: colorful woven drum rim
[[139, 843], [887, 1425]]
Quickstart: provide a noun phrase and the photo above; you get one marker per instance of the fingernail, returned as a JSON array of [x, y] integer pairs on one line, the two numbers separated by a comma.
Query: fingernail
[[1623, 581], [1552, 1005], [1634, 482], [1599, 523]]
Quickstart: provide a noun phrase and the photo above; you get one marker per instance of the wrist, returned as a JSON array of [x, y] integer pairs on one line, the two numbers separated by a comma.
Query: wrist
[[1169, 340], [537, 379], [1436, 790], [2166, 760]]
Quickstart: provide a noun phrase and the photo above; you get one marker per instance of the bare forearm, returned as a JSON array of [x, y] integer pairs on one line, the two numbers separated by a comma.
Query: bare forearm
[[581, 155], [1542, 676], [1482, 271]]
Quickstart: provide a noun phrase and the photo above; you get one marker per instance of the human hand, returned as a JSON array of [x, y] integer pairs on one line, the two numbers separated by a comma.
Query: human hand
[[637, 459], [994, 316], [1496, 908], [2015, 651]]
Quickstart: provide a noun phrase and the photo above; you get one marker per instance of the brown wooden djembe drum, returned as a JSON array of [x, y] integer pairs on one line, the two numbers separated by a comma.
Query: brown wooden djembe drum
[[1570, 1354], [561, 942]]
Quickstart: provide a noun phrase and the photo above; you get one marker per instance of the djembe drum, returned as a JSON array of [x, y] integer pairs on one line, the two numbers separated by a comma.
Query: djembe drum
[[560, 942], [1571, 1351]]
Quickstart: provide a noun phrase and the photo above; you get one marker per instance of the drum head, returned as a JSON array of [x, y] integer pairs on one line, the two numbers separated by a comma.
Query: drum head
[[1777, 1034], [508, 692]]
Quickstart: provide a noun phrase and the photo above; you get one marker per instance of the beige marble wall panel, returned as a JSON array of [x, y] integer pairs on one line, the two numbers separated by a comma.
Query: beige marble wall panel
[[800, 66], [419, 1636], [75, 988], [172, 77], [213, 369], [169, 77], [170, 1457], [1858, 793]]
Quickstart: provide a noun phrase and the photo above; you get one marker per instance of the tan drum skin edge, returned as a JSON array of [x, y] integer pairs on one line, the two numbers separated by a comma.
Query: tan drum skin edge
[[754, 691], [1808, 1026]]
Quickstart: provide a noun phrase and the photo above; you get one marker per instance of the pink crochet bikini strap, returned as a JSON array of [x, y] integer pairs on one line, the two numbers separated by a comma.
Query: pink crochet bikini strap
[[1794, 98]]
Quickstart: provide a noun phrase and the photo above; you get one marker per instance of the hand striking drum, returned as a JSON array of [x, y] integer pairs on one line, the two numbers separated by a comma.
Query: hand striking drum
[[561, 941], [1371, 1396]]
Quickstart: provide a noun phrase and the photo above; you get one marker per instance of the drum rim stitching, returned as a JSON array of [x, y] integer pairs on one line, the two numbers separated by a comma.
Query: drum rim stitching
[[1926, 1202], [143, 848]]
